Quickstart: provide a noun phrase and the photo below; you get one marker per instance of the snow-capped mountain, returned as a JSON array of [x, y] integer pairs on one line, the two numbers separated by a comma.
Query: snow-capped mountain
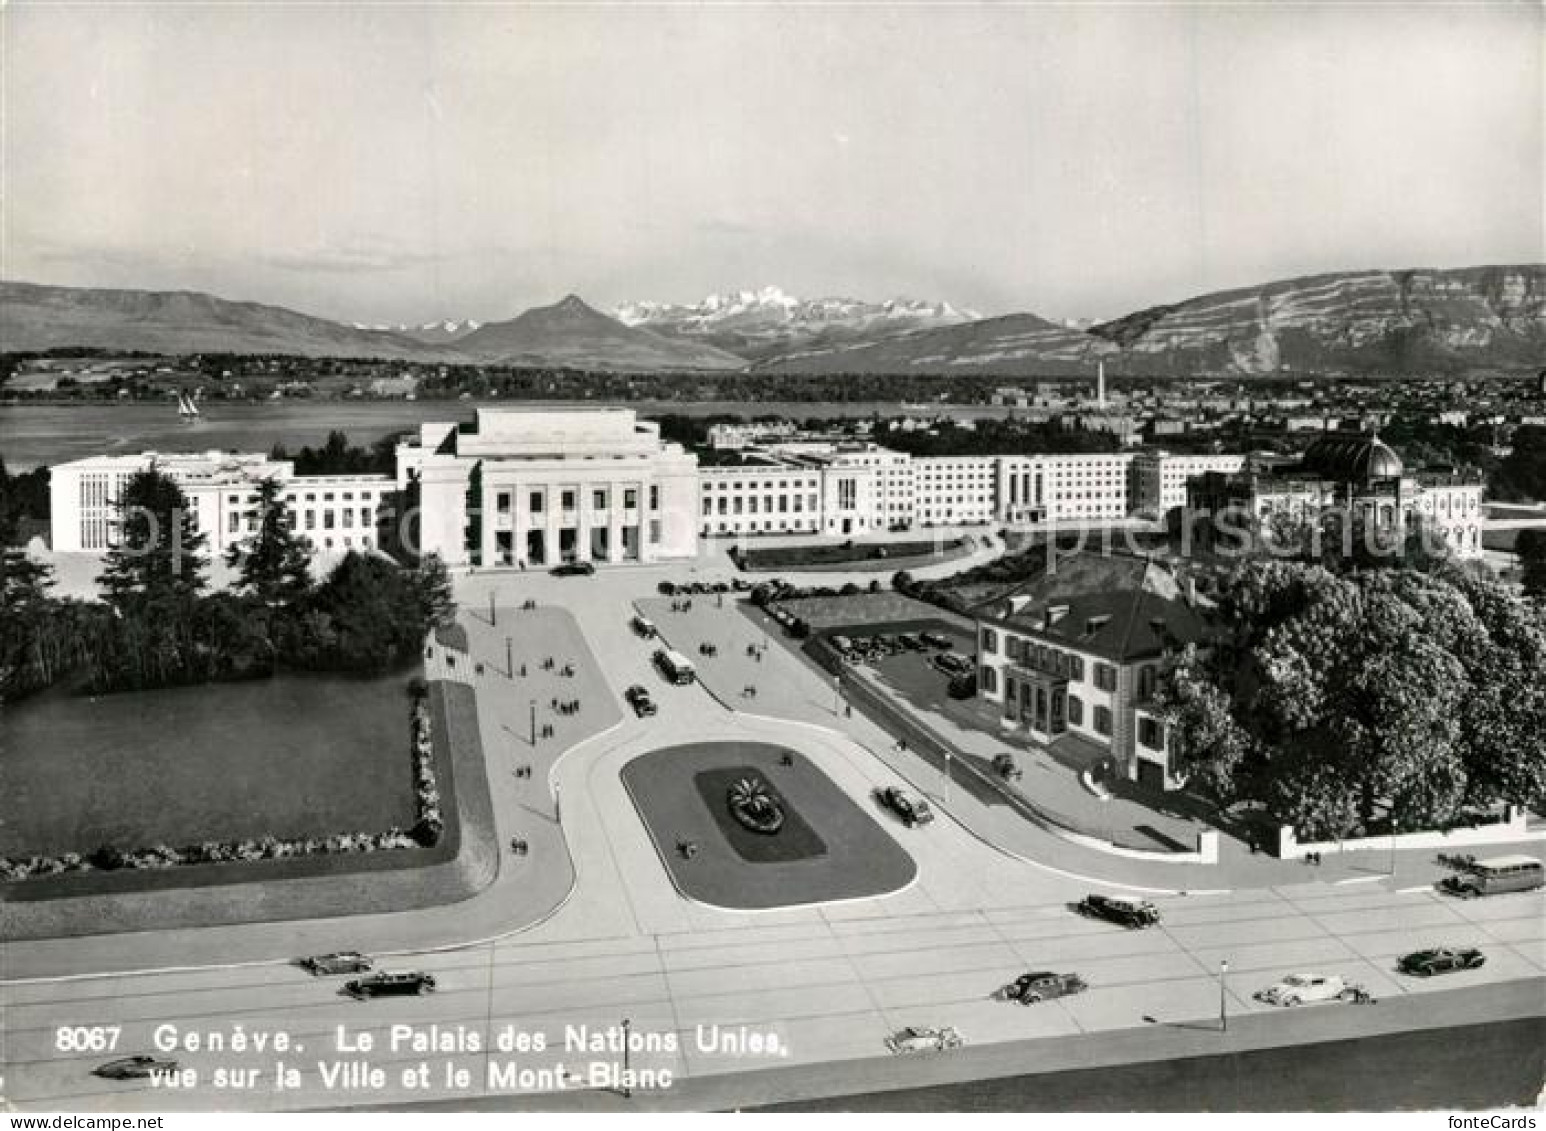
[[431, 333], [762, 323]]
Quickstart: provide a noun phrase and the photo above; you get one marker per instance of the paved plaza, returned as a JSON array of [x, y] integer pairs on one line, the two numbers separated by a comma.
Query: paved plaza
[[588, 928]]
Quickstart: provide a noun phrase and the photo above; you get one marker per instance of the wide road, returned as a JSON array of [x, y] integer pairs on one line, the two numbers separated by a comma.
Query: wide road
[[829, 983]]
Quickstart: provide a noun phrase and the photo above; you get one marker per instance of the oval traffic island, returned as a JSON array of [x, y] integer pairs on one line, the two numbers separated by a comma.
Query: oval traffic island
[[751, 826]]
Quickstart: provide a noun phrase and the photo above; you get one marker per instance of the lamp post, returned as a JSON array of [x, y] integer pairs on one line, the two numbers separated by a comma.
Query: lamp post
[[492, 619], [627, 1083], [837, 695], [509, 659], [1223, 998], [534, 724], [947, 777]]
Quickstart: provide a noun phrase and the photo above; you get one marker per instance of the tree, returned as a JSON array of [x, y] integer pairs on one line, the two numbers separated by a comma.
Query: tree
[[432, 590], [1531, 548], [1522, 474], [1345, 702], [1211, 747], [158, 555], [274, 563]]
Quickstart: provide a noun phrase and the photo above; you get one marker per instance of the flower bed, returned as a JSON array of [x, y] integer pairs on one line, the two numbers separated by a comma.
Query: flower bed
[[426, 831]]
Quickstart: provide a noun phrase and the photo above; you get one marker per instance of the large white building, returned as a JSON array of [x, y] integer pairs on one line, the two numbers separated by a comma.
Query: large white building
[[536, 487], [334, 512], [864, 488], [533, 487]]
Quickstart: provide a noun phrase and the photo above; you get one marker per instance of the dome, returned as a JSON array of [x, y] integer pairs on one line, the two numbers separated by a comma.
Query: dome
[[1352, 458]]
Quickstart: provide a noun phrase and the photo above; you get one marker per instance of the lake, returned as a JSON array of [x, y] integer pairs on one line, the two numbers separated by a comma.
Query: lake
[[33, 435]]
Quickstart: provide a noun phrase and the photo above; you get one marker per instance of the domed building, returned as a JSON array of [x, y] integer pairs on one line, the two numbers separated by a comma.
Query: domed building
[[1356, 474]]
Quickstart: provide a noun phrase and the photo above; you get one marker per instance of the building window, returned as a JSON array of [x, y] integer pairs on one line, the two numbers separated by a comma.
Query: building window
[[236, 522], [502, 502], [1103, 721], [989, 641], [567, 500], [536, 502], [311, 520], [1075, 711], [327, 523], [630, 498], [1151, 734], [1105, 677], [598, 499], [654, 498], [987, 679], [1146, 682], [654, 530]]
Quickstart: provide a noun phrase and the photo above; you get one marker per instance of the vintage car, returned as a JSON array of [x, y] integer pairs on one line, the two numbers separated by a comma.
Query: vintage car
[[339, 962], [1442, 960], [401, 984], [1041, 985], [1308, 989], [133, 1068], [1135, 913], [574, 569], [912, 810], [917, 1038], [1005, 766], [936, 640], [639, 699]]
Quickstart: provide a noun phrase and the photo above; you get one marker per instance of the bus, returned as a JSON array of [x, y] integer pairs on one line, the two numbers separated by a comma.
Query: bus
[[675, 666], [1500, 874]]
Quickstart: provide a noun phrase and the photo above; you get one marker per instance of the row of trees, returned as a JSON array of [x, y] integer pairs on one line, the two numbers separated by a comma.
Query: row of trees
[[1349, 703], [158, 625]]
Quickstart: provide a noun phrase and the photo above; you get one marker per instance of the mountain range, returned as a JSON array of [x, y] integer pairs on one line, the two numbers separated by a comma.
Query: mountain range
[[1357, 322], [768, 323]]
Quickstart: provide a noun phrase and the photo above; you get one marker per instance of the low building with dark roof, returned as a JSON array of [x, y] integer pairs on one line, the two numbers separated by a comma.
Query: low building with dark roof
[[1076, 650]]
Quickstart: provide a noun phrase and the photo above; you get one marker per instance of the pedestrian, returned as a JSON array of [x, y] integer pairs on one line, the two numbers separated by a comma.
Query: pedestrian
[[848, 710], [523, 671]]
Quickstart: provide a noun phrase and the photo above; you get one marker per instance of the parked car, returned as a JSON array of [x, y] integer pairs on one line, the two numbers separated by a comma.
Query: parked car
[[952, 664], [1307, 989], [574, 569], [1441, 960], [339, 962], [911, 641], [133, 1068], [1042, 985], [401, 984], [917, 1038], [639, 699], [1005, 766], [645, 627], [1135, 913], [936, 640], [912, 810]]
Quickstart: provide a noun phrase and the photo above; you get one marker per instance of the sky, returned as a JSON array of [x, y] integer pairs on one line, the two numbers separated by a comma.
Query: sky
[[409, 163]]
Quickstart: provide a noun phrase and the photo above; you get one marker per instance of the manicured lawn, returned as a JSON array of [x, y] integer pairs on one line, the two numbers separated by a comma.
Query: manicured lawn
[[836, 849], [864, 554], [288, 757], [877, 609]]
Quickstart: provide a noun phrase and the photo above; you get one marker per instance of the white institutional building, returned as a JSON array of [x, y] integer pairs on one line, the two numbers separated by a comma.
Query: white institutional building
[[536, 487], [524, 487], [336, 513]]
